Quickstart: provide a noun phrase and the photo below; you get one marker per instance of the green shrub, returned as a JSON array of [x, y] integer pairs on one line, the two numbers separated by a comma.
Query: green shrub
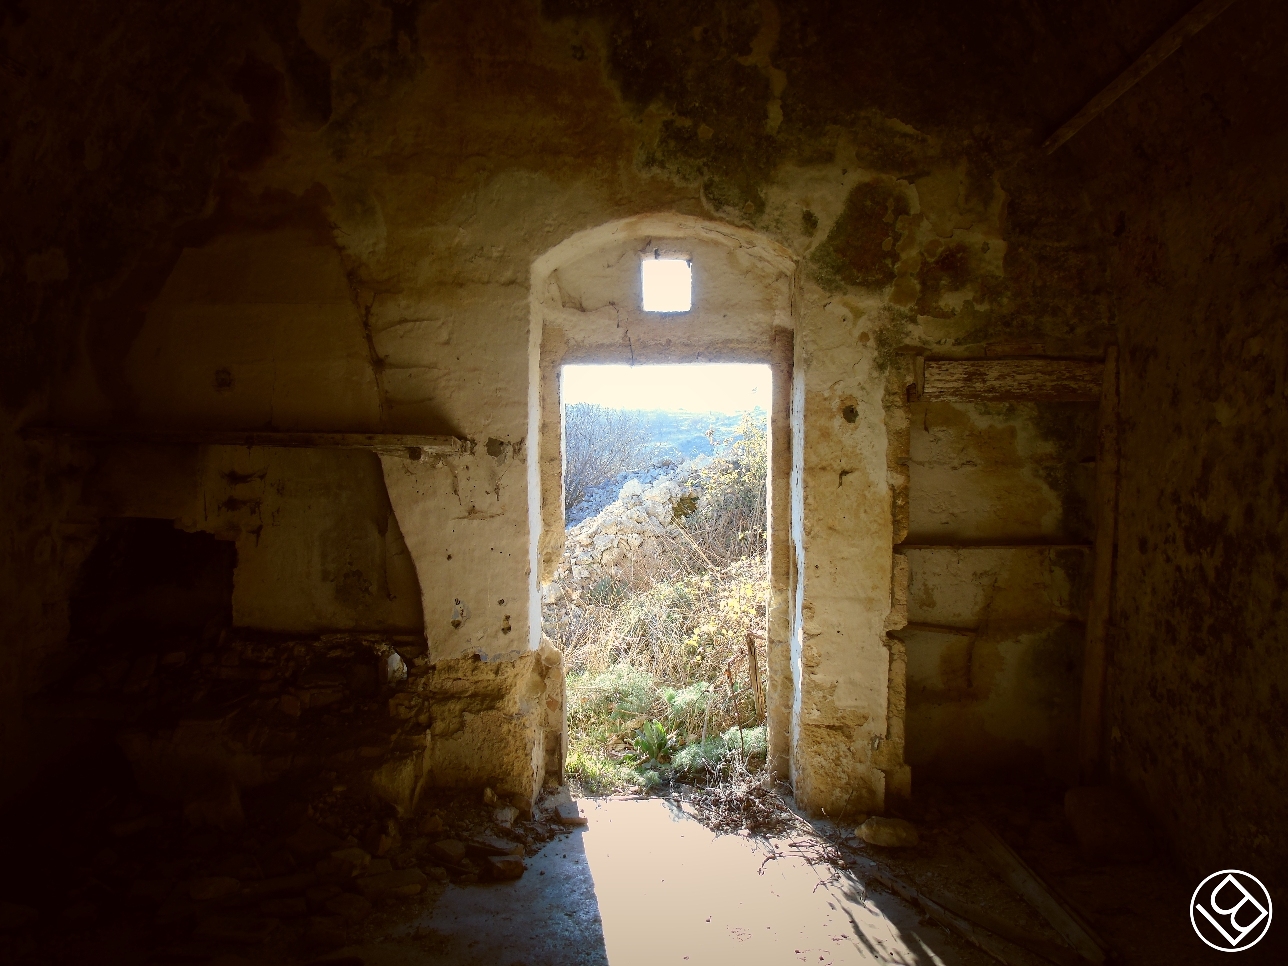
[[653, 741], [750, 743]]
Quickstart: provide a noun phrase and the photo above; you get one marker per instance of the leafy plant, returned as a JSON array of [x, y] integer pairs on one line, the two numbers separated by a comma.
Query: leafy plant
[[654, 742], [656, 648]]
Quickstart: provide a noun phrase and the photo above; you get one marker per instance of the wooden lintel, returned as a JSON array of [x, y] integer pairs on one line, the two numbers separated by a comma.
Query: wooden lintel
[[406, 445], [1017, 380], [1159, 51]]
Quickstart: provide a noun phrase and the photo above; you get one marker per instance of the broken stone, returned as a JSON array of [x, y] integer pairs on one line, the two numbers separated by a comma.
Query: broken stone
[[325, 932], [505, 815], [222, 810], [213, 887], [569, 813], [236, 929], [318, 895], [408, 882], [355, 858], [494, 845], [278, 863], [291, 908], [238, 865], [506, 866], [437, 873], [450, 849], [1107, 826], [349, 907], [489, 797], [889, 832], [279, 885], [393, 669], [311, 840]]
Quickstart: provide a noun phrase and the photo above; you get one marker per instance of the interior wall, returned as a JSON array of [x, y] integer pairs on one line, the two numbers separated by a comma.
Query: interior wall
[[1197, 706], [998, 549], [259, 330], [222, 235]]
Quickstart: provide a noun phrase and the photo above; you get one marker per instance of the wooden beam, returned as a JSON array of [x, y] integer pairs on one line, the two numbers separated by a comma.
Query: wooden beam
[[1159, 51], [406, 445], [1095, 650], [1003, 952], [1015, 872], [1027, 380], [1052, 952]]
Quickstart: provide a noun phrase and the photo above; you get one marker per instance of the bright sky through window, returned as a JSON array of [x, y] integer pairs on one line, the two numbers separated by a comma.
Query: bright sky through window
[[717, 388], [668, 284]]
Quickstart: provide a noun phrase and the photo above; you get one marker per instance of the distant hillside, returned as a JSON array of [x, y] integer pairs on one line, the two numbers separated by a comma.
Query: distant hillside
[[674, 438], [682, 436]]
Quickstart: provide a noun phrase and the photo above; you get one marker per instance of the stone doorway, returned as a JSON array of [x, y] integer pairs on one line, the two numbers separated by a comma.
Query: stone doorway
[[659, 603], [588, 309]]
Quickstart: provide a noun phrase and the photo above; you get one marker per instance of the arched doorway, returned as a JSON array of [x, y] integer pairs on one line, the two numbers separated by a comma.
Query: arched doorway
[[587, 307]]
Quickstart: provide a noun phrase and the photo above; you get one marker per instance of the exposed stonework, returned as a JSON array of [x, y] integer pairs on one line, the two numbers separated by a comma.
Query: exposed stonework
[[352, 215]]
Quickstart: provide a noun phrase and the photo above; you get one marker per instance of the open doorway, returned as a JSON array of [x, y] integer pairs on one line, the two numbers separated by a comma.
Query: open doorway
[[660, 599]]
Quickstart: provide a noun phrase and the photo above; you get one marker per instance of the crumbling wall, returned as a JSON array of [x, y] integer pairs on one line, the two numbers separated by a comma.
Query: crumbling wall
[[1190, 180], [998, 550], [326, 216]]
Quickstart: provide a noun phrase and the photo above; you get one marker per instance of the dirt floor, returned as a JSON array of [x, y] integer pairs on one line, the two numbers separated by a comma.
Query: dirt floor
[[643, 882]]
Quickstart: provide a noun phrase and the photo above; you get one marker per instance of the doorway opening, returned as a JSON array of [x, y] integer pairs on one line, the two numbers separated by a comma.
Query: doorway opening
[[660, 600]]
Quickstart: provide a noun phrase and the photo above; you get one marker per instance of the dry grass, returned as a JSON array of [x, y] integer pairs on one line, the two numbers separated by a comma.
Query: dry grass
[[659, 652]]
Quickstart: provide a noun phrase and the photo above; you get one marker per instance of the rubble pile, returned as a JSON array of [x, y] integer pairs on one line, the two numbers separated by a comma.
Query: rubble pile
[[256, 788], [632, 525], [290, 877], [200, 726]]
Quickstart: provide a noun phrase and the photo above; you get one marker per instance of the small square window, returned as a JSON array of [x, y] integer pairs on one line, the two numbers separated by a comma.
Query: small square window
[[668, 284]]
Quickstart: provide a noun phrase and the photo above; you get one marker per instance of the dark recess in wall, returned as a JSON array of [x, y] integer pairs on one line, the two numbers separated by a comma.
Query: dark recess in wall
[[145, 578]]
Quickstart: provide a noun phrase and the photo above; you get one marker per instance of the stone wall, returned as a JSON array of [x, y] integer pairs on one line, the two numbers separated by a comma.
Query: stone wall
[[998, 554], [326, 215], [1197, 706]]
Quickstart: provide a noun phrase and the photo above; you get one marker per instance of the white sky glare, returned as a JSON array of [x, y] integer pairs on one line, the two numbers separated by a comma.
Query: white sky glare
[[715, 388], [667, 284]]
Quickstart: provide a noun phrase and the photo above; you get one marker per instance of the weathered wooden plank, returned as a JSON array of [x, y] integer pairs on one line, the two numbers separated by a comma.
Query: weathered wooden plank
[[1015, 872], [407, 445], [1095, 651], [1050, 951], [1159, 51], [1003, 952], [1030, 380]]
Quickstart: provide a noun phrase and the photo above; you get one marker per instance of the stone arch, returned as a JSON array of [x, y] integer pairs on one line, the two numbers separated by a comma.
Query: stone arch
[[586, 307]]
